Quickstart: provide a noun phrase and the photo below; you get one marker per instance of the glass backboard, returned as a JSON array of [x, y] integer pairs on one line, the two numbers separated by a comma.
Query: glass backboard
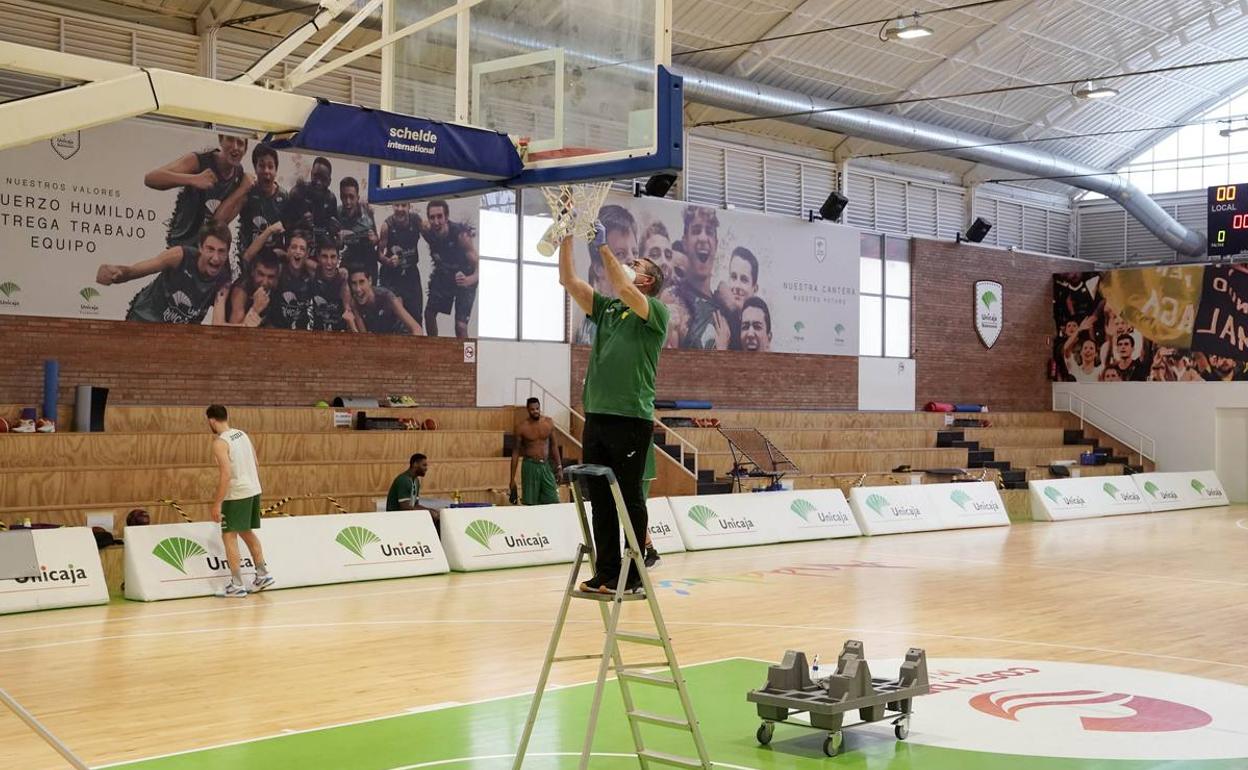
[[578, 85]]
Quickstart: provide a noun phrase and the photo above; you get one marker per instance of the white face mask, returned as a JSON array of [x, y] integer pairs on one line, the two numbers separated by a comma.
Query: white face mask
[[630, 272]]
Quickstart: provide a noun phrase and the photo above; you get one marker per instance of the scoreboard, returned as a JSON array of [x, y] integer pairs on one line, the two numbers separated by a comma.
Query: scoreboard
[[1228, 220]]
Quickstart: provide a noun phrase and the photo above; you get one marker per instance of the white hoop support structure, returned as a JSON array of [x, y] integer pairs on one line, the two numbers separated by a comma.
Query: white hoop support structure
[[575, 211]]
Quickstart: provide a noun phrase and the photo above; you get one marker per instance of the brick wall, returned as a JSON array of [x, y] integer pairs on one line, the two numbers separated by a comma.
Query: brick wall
[[169, 364], [953, 365], [742, 380]]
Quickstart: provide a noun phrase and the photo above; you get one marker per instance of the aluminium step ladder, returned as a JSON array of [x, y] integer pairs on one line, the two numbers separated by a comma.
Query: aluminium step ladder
[[627, 674]]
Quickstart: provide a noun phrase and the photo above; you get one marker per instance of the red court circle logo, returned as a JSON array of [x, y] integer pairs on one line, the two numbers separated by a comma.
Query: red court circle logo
[[1146, 715]]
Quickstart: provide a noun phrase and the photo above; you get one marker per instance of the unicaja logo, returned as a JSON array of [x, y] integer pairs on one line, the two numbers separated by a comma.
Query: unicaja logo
[[803, 509], [88, 294], [960, 498], [355, 538], [1146, 715], [69, 574], [1119, 495], [174, 551], [1204, 490], [8, 289], [482, 531], [988, 298], [702, 516], [877, 503]]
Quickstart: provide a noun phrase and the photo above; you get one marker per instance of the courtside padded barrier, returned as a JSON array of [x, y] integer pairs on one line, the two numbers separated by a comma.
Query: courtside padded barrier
[[664, 533], [924, 507], [1175, 490], [171, 561], [1082, 498], [70, 573], [509, 536], [760, 518], [1086, 497]]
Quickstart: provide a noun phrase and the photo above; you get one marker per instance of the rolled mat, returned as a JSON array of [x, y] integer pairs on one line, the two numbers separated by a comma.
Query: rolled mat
[[680, 404], [51, 382], [968, 407]]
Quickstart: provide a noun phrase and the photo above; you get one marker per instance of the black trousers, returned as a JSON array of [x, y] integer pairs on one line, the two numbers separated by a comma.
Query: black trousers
[[620, 443]]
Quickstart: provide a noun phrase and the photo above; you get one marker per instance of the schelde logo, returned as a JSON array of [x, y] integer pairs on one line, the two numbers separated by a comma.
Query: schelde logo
[[1097, 710], [484, 531], [174, 551]]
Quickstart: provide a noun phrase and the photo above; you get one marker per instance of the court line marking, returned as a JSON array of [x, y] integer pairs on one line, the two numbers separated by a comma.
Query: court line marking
[[1240, 523], [610, 754], [366, 720], [275, 604]]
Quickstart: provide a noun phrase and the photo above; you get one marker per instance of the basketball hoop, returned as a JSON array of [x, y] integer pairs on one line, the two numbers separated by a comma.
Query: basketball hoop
[[575, 211]]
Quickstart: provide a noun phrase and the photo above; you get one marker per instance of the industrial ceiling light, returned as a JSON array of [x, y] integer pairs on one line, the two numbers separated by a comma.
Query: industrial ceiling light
[[905, 29], [1090, 90]]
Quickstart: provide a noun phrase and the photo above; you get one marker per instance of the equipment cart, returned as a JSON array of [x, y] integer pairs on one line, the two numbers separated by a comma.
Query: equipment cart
[[790, 690]]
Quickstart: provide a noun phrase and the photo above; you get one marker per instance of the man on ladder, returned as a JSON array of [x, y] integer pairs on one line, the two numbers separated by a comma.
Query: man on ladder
[[619, 395], [619, 401]]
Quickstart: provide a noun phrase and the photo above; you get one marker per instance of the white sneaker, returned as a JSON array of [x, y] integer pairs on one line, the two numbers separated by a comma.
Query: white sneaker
[[24, 426], [233, 591], [260, 583], [43, 425]]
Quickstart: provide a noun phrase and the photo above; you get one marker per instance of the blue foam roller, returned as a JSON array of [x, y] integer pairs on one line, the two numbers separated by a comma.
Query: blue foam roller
[[51, 383]]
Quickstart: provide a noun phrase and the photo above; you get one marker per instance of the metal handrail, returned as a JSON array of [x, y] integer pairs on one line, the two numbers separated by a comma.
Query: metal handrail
[[687, 448], [1143, 444]]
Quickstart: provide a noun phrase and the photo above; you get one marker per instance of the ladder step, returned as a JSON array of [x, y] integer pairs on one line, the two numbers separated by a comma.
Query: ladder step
[[597, 597], [643, 666], [634, 676], [674, 760], [658, 719], [639, 638]]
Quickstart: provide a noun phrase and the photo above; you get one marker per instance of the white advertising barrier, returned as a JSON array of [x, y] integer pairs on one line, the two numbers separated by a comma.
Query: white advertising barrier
[[891, 510], [70, 574], [664, 533], [1085, 497], [1175, 490], [171, 561], [809, 514], [968, 504], [720, 521], [509, 536]]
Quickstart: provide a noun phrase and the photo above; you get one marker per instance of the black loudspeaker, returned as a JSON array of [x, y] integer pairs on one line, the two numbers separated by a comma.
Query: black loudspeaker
[[658, 185], [89, 405], [833, 207], [977, 232]]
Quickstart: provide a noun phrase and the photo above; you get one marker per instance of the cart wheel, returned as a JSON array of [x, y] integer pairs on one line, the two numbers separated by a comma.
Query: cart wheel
[[901, 728], [833, 743], [765, 731]]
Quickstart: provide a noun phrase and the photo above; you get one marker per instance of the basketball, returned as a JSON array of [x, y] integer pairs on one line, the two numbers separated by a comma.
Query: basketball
[[138, 518]]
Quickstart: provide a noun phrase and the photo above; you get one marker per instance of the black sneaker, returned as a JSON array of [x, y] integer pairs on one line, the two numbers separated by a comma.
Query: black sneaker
[[652, 557], [597, 584]]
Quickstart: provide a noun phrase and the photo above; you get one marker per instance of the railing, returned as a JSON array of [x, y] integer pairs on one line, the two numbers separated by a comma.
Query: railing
[[1139, 442], [527, 387]]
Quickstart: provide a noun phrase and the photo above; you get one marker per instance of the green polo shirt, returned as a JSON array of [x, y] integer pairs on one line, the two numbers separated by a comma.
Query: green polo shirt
[[624, 359], [404, 487]]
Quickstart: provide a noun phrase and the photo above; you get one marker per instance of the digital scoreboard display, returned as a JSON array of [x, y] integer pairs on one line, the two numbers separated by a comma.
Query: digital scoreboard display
[[1228, 220]]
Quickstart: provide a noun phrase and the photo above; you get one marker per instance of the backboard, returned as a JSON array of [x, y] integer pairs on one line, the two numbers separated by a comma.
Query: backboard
[[579, 86]]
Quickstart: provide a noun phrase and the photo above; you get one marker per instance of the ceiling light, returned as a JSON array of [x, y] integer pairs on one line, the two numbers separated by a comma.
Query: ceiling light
[[1226, 132], [905, 29], [1090, 90]]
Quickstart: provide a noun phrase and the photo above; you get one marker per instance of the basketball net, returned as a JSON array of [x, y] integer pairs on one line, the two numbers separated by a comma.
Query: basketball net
[[574, 208]]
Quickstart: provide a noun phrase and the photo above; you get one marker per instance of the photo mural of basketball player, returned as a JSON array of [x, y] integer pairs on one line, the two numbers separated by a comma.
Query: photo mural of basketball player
[[204, 180], [799, 280], [453, 279]]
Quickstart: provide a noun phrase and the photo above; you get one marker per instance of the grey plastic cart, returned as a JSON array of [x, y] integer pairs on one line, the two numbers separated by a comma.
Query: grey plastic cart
[[791, 690]]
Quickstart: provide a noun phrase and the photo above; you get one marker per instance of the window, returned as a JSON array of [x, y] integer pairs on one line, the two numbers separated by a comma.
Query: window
[[1196, 156], [498, 294], [884, 297]]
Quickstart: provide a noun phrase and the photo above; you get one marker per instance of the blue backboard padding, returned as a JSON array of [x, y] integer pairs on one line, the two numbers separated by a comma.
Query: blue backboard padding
[[346, 131], [668, 158]]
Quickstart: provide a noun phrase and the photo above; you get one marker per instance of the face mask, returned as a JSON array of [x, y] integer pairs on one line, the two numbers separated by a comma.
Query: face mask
[[630, 272]]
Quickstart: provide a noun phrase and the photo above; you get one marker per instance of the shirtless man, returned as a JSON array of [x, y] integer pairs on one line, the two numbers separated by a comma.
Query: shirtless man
[[535, 439]]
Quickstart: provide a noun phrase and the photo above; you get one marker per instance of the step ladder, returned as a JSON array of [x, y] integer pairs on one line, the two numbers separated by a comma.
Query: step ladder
[[627, 674]]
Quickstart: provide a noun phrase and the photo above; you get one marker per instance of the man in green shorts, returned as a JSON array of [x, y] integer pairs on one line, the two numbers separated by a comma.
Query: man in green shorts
[[237, 502], [619, 395], [535, 441]]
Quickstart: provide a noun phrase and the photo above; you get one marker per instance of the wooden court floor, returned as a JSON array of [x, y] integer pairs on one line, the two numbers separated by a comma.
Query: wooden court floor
[[1160, 592]]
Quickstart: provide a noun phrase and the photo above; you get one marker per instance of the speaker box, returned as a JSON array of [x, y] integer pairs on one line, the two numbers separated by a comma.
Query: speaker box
[[89, 405], [833, 207]]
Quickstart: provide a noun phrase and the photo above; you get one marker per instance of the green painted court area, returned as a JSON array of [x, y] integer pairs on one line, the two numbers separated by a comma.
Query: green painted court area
[[484, 735]]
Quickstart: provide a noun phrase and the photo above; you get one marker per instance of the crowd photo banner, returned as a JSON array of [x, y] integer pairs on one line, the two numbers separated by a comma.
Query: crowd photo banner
[[1181, 323], [108, 223], [69, 573], [173, 561], [735, 280]]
